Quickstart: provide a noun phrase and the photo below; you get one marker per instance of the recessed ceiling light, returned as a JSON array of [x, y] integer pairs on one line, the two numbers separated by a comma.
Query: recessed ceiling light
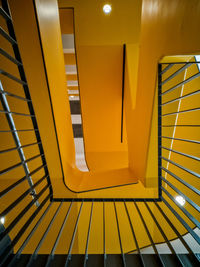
[[107, 8], [2, 220], [180, 200]]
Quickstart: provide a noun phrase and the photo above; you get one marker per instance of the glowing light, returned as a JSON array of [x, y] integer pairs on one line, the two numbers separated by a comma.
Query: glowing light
[[2, 220], [180, 200], [107, 8], [71, 96]]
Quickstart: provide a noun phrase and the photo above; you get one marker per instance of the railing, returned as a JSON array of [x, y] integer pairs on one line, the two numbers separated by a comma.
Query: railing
[[98, 233], [179, 140], [22, 156], [115, 221]]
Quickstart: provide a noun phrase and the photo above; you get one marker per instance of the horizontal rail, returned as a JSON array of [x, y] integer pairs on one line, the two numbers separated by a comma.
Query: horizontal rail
[[21, 163], [20, 130], [181, 97], [16, 113], [4, 14], [189, 215], [182, 139], [8, 56], [182, 83], [181, 111], [21, 197], [12, 77], [194, 189], [181, 167], [181, 125], [15, 96], [12, 186], [18, 147], [192, 203], [105, 199], [181, 153], [167, 68], [7, 36], [182, 221], [22, 213], [5, 254], [189, 62], [174, 229], [176, 73]]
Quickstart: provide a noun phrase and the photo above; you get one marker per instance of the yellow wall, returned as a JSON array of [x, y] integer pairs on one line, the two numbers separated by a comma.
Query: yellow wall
[[99, 39], [54, 60], [100, 77], [166, 29], [75, 180]]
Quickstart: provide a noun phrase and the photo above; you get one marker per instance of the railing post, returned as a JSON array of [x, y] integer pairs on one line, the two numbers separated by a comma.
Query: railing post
[[159, 129]]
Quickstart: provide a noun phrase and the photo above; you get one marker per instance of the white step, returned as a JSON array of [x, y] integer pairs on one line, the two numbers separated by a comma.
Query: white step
[[70, 69]]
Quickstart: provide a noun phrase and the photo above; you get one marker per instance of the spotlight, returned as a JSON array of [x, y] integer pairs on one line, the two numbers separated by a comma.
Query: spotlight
[[107, 8]]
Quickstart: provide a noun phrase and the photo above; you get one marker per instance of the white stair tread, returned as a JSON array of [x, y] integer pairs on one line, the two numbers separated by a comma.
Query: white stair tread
[[73, 92], [74, 98], [76, 119], [72, 83], [68, 41], [70, 69]]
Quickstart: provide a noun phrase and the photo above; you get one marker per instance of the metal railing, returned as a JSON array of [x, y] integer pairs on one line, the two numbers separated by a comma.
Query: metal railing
[[122, 229], [179, 153], [28, 156]]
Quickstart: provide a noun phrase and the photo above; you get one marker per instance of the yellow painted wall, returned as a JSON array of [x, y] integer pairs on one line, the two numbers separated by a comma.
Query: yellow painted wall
[[42, 106], [166, 29], [100, 77], [54, 61], [99, 39], [66, 20]]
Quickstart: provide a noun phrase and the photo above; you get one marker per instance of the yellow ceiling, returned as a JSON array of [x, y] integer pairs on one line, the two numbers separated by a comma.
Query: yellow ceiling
[[93, 27]]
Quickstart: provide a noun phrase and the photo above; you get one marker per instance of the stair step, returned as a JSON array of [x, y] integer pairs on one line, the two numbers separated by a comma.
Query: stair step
[[112, 260], [77, 130], [134, 260], [170, 260], [75, 107], [95, 260], [151, 260], [189, 260]]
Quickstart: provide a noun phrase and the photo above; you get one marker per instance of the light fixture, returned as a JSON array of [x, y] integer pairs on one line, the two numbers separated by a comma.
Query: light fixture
[[107, 8], [180, 200], [71, 96], [2, 220]]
